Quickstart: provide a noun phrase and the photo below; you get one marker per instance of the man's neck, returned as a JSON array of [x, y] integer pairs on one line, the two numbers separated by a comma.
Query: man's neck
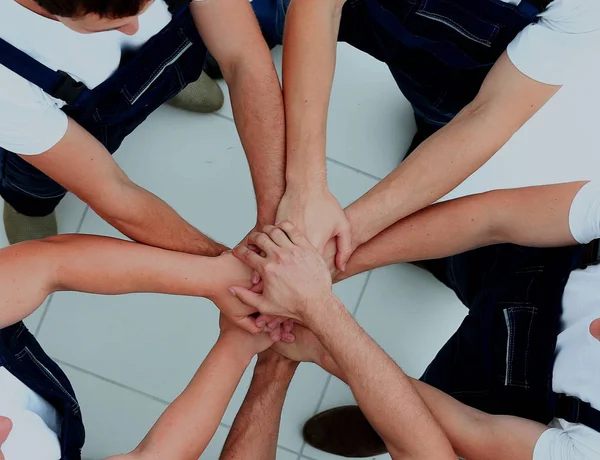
[[32, 5]]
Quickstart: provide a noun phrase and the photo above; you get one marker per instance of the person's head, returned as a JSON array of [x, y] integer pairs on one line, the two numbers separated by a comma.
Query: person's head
[[90, 16], [5, 428]]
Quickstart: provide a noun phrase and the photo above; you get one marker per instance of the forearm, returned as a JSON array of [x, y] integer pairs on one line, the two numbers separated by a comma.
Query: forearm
[[310, 44], [184, 430], [506, 100], [532, 216], [30, 271], [256, 427], [143, 217], [384, 393], [257, 105]]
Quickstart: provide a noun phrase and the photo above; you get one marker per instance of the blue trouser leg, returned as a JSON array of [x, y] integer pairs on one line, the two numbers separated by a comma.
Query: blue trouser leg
[[28, 190], [271, 18]]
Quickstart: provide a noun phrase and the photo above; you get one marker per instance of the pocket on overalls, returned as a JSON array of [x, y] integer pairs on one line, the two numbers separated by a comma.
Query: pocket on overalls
[[517, 327]]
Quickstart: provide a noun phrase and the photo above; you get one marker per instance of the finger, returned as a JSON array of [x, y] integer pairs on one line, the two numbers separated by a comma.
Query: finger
[[278, 236], [247, 297], [293, 234], [247, 323], [275, 334], [255, 278], [344, 248], [263, 242], [263, 320], [288, 325], [253, 248], [287, 337], [259, 287], [275, 322], [250, 258]]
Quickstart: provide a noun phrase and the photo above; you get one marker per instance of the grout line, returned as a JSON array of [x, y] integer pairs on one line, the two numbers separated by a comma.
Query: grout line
[[85, 211], [321, 398], [223, 117], [126, 387], [352, 168]]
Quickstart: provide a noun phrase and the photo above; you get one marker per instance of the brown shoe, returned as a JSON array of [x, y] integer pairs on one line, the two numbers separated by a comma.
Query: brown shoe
[[343, 431]]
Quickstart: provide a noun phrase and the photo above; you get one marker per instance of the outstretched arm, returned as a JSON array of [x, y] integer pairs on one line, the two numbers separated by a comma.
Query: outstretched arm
[[186, 427], [30, 271], [472, 433], [256, 427], [532, 216], [506, 100], [297, 284], [256, 98]]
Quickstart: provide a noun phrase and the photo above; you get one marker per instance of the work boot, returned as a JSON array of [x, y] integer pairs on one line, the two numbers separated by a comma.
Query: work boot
[[202, 96], [343, 431], [20, 227]]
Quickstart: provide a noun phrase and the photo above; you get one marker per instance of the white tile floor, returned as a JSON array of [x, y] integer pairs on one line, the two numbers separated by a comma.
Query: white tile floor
[[129, 356]]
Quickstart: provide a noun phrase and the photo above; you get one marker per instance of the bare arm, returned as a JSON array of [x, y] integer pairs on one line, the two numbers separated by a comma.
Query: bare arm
[[473, 434], [505, 102], [310, 42], [83, 166], [256, 427], [30, 271], [298, 285], [531, 216], [231, 33], [186, 427]]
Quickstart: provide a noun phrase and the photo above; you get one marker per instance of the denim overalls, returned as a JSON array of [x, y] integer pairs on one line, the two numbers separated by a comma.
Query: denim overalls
[[145, 80], [439, 51], [501, 358], [21, 354]]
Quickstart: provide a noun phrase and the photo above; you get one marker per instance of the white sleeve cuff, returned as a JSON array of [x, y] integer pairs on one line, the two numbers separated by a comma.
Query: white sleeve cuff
[[584, 216]]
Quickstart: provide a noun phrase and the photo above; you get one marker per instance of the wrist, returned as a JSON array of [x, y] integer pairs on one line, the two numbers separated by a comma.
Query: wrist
[[318, 312], [237, 351], [359, 230], [276, 368]]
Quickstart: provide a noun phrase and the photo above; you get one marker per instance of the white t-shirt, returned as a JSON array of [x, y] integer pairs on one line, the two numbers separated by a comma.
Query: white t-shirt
[[89, 58], [36, 424], [565, 39], [577, 364]]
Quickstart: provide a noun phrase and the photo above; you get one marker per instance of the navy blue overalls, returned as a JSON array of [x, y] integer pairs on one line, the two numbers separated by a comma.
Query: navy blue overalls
[[501, 358], [145, 80], [439, 51], [21, 354]]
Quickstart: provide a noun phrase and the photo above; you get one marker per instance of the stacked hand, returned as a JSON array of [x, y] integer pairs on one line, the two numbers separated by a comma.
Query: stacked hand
[[296, 278]]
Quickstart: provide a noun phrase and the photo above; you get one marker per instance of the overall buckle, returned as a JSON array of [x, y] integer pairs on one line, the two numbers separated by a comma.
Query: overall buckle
[[69, 89]]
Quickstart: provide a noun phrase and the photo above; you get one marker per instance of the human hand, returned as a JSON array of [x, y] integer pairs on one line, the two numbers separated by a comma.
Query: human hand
[[295, 276], [307, 348], [320, 217], [245, 342], [5, 429], [228, 271]]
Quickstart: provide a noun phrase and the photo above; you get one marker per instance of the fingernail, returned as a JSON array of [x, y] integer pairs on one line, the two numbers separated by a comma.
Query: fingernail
[[344, 267], [288, 339], [278, 222], [255, 279], [273, 324], [261, 323], [268, 329], [232, 292]]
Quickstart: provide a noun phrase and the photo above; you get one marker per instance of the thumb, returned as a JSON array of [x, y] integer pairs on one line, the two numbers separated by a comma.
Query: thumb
[[247, 323], [247, 297], [344, 248]]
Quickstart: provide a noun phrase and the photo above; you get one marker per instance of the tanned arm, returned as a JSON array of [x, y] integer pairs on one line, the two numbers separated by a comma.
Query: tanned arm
[[255, 429], [83, 166], [231, 33]]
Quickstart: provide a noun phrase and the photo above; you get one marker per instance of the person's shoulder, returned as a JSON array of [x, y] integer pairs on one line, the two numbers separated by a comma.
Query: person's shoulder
[[573, 16], [16, 92]]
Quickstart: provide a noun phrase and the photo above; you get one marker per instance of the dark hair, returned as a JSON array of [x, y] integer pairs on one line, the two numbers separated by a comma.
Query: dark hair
[[104, 8]]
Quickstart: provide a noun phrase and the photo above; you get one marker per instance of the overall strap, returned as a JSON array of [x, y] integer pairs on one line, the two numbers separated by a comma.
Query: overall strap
[[57, 84], [532, 8], [590, 254], [574, 410]]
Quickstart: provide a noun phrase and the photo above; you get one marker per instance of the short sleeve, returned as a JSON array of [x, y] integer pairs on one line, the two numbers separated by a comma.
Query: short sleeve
[[584, 216], [559, 444], [30, 121], [30, 438], [564, 40]]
